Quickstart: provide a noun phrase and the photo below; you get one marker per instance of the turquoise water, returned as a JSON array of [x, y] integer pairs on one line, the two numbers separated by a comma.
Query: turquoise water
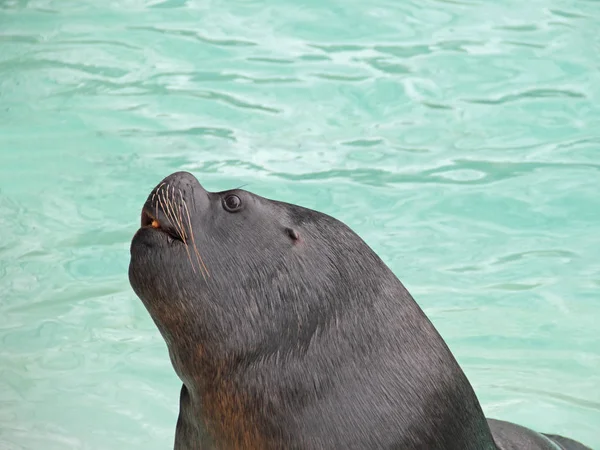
[[461, 139]]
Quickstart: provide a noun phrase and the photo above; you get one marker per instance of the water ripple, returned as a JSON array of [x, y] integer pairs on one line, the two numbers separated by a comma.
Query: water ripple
[[226, 42], [577, 401], [222, 133], [44, 64], [525, 95]]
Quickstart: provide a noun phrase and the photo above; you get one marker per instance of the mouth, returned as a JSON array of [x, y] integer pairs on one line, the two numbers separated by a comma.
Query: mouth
[[150, 222]]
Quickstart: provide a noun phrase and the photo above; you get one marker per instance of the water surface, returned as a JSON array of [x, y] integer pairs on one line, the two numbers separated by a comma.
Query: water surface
[[461, 139]]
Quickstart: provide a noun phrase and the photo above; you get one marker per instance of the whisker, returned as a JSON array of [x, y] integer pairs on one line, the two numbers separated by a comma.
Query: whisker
[[167, 212], [184, 238], [181, 216], [193, 239], [178, 221], [188, 253], [158, 203], [175, 208], [155, 192], [182, 229], [170, 209], [163, 203], [165, 208]]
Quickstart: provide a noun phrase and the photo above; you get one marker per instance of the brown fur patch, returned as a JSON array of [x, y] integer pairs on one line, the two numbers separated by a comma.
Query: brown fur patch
[[231, 418]]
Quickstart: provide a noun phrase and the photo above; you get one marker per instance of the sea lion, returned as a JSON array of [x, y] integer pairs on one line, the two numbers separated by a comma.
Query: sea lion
[[289, 332]]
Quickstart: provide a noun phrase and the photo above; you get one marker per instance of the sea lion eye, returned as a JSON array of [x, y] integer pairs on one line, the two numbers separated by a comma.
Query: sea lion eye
[[232, 203]]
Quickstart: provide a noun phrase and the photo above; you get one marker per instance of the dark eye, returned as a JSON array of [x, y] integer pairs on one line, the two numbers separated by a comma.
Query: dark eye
[[232, 203]]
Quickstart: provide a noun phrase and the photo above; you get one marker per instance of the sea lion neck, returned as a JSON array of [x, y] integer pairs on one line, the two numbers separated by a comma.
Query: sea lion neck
[[271, 382]]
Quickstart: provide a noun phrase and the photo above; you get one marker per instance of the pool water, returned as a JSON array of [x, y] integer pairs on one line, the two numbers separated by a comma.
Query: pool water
[[460, 139]]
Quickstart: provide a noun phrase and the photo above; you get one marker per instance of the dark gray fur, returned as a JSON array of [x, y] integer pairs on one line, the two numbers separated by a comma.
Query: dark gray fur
[[301, 320]]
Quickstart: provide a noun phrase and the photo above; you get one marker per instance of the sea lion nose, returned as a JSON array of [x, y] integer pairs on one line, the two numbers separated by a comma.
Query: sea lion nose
[[183, 181], [184, 185], [180, 189]]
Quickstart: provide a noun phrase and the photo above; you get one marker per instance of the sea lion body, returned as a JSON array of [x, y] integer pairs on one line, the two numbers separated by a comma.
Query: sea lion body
[[288, 331]]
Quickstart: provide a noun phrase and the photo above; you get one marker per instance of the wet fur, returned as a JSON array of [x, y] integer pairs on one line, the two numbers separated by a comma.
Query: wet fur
[[301, 337]]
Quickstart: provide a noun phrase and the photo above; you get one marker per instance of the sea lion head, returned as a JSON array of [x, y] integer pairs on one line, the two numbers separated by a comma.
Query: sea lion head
[[230, 272]]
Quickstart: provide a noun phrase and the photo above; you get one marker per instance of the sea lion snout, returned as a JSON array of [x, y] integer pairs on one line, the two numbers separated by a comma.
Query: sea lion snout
[[178, 189], [182, 185], [181, 179]]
